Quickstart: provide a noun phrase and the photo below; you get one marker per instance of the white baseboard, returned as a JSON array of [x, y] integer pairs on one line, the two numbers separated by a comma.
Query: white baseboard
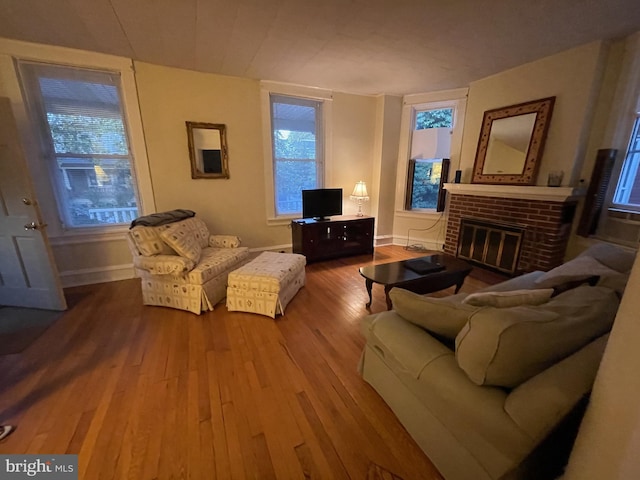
[[383, 240], [87, 276], [112, 273], [425, 243]]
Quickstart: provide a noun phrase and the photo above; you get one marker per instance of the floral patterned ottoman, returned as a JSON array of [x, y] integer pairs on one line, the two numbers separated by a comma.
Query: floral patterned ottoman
[[266, 284]]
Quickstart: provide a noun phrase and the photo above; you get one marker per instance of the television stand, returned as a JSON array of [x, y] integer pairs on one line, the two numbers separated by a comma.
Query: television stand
[[339, 236]]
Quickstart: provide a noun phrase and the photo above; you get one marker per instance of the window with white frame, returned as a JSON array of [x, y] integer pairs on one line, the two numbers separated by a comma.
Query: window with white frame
[[86, 143], [430, 144], [297, 150], [627, 192]]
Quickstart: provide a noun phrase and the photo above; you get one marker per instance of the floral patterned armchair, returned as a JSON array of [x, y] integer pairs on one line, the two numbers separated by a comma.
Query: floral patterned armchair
[[181, 265]]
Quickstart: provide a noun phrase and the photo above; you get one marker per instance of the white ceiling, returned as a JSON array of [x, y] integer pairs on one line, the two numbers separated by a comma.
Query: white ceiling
[[358, 46]]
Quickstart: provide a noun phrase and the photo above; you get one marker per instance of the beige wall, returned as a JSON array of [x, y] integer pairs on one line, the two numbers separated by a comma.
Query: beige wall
[[573, 77], [352, 156], [170, 96], [387, 140]]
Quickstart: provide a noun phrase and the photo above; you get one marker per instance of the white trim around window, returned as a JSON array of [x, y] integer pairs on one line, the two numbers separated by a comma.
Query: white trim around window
[[12, 50], [456, 99], [267, 88]]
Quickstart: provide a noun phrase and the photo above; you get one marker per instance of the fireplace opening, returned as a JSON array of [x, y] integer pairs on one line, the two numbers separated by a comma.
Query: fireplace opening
[[490, 244]]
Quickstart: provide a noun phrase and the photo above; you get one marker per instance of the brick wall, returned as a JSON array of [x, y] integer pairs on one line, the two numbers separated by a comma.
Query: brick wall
[[547, 226]]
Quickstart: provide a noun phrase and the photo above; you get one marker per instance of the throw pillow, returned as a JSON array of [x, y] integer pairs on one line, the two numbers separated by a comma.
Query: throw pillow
[[181, 239], [441, 316], [506, 346], [198, 229], [580, 268], [148, 241], [509, 299]]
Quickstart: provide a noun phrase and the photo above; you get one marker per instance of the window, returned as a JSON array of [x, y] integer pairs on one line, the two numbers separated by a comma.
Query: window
[[84, 134], [430, 144], [297, 150], [627, 193]]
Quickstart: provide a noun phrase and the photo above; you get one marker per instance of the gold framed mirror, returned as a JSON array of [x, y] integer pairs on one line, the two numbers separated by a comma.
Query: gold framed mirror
[[208, 150], [511, 143]]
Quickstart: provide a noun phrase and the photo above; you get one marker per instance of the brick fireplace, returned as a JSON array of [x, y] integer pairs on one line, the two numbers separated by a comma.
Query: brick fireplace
[[544, 214]]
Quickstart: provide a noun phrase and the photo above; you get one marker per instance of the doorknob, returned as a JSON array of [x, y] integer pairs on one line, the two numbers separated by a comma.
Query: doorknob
[[34, 226], [26, 201]]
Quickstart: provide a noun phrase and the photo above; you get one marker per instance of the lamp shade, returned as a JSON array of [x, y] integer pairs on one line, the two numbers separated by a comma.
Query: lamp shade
[[360, 191]]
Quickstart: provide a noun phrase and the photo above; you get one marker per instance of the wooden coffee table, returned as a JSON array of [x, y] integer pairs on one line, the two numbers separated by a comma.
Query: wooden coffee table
[[396, 274]]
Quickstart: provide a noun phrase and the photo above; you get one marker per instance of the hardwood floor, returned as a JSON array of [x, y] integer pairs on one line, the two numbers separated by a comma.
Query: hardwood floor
[[153, 393]]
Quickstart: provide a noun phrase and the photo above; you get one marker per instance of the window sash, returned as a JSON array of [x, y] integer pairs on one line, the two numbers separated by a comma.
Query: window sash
[[428, 145], [627, 193], [83, 131], [305, 172]]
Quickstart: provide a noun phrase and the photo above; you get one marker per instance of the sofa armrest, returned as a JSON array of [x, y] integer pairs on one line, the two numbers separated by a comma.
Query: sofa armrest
[[224, 241], [164, 264], [541, 402]]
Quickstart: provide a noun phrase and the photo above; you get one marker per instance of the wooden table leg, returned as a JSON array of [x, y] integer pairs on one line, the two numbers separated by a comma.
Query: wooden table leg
[[387, 289], [369, 284]]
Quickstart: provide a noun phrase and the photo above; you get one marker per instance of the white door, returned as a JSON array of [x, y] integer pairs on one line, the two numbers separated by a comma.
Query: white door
[[28, 275]]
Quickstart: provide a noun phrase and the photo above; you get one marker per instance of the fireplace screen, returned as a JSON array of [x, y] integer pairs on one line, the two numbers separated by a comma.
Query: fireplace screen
[[490, 244]]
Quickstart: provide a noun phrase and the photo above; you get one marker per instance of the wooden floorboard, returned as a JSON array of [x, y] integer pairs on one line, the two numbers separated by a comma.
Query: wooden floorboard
[[144, 392]]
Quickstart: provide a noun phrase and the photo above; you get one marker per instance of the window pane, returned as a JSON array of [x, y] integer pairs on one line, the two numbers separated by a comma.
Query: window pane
[[81, 119], [297, 150], [426, 183], [98, 191], [627, 194], [294, 145], [442, 117], [291, 178]]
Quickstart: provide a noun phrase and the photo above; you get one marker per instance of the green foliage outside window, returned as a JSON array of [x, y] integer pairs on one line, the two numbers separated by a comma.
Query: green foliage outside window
[[426, 183], [442, 117], [87, 135]]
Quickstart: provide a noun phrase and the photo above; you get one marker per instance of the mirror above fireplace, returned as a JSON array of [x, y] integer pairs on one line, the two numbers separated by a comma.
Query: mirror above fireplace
[[511, 143]]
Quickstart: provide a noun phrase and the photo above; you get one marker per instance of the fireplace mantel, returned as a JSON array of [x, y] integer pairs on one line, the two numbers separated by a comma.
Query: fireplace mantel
[[554, 194]]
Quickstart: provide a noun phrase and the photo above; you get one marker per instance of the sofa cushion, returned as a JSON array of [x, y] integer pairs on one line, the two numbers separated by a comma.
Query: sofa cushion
[[443, 316], [180, 237], [506, 346], [224, 241], [525, 281], [509, 299], [404, 346], [216, 261], [612, 256], [164, 264], [615, 282], [576, 270]]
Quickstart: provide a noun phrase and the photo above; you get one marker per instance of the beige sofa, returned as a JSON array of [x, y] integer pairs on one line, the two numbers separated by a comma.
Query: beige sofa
[[181, 265], [481, 380]]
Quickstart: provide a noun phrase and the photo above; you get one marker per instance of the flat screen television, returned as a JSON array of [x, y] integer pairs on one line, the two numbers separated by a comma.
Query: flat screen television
[[321, 203]]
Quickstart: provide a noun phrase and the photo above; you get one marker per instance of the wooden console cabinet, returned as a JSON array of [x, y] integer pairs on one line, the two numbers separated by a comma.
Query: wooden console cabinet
[[339, 237]]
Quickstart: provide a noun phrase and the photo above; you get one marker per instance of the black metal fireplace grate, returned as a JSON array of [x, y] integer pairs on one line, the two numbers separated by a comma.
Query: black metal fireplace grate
[[490, 244]]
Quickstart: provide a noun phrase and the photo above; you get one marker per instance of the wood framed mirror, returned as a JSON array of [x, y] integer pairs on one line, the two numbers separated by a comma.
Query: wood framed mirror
[[208, 150], [511, 143]]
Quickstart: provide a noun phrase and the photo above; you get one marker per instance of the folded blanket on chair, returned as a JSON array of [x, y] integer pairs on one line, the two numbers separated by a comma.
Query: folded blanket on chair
[[162, 218]]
